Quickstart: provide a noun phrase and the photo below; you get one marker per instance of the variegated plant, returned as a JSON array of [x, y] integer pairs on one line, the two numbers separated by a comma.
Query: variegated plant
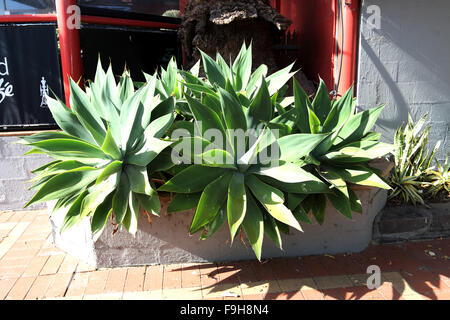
[[109, 140], [412, 161], [439, 178]]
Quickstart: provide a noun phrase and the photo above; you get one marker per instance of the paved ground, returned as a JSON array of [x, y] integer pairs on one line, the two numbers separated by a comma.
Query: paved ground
[[32, 268]]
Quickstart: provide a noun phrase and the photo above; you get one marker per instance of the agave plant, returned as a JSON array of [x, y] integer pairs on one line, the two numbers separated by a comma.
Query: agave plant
[[110, 136], [342, 158], [412, 161], [439, 178], [231, 179]]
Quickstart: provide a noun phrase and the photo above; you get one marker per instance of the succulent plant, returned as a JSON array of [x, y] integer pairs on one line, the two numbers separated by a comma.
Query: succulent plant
[[109, 138]]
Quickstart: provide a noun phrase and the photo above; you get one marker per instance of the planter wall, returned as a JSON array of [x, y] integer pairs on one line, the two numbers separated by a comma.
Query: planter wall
[[167, 241]]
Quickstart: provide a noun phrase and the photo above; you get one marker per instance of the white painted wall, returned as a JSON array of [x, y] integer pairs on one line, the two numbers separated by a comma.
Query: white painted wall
[[406, 65]]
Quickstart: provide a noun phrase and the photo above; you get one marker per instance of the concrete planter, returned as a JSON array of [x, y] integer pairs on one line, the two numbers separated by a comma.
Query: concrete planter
[[167, 241]]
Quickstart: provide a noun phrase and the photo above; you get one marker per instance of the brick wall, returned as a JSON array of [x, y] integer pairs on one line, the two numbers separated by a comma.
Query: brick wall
[[406, 65], [15, 171]]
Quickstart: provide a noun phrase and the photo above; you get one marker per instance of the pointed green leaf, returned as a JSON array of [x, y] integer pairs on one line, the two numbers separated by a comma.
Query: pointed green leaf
[[236, 203], [260, 109], [254, 226], [212, 70], [211, 200], [322, 103], [65, 184], [183, 201], [272, 199], [192, 179]]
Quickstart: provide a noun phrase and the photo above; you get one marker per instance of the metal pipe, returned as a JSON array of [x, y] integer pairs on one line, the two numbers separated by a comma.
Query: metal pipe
[[127, 22], [18, 18], [350, 47], [69, 42]]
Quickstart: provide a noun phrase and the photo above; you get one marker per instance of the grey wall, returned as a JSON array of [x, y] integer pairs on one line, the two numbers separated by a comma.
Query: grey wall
[[15, 171], [406, 65]]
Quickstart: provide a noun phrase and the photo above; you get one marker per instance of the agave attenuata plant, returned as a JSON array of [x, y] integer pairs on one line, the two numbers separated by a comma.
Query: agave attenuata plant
[[231, 179], [108, 139], [342, 158]]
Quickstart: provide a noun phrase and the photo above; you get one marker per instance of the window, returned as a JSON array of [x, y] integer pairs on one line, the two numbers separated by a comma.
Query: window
[[153, 7], [26, 6]]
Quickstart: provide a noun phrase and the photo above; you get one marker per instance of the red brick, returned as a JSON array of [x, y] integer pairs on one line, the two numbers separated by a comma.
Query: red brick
[[59, 285], [153, 278], [287, 268], [284, 296], [352, 293], [190, 276], [35, 266], [20, 288], [25, 245], [228, 273], [208, 274], [17, 254], [52, 265], [40, 287], [29, 216], [11, 272], [78, 285], [69, 265], [312, 294], [97, 282], [263, 270], [5, 215], [5, 286], [16, 216], [314, 266], [116, 280], [18, 262], [172, 277], [387, 290], [444, 295], [246, 274], [423, 286], [135, 279], [253, 297], [50, 252]]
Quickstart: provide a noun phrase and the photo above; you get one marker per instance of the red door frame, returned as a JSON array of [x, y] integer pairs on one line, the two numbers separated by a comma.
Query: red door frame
[[316, 24]]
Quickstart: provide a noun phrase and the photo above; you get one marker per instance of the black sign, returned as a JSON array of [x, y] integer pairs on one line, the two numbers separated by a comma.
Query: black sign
[[29, 69]]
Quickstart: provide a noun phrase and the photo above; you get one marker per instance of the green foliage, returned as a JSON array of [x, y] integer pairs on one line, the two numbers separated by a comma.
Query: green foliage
[[412, 161], [109, 137], [249, 156], [229, 180], [438, 179], [342, 158]]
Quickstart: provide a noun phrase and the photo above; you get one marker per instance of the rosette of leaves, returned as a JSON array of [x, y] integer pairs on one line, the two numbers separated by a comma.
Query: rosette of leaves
[[237, 76], [439, 178], [109, 138], [412, 160], [230, 180], [342, 158]]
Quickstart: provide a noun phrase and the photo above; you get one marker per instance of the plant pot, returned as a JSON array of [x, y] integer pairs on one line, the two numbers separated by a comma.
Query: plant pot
[[166, 239]]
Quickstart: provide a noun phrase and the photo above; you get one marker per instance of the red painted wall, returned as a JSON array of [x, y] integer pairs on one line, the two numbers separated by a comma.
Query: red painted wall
[[314, 23]]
